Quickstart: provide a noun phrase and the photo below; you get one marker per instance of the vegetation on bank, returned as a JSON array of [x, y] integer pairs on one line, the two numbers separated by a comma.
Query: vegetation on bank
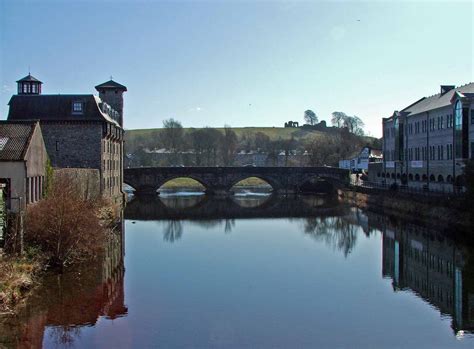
[[63, 229], [17, 277]]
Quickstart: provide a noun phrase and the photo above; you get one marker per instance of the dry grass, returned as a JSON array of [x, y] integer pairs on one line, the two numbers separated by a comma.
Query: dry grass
[[17, 276]]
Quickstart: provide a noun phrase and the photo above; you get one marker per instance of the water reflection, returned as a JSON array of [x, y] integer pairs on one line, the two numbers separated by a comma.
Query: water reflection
[[335, 232], [433, 267], [64, 304], [289, 263]]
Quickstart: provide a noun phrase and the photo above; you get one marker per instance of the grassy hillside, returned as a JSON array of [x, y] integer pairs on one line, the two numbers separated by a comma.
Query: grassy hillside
[[274, 133]]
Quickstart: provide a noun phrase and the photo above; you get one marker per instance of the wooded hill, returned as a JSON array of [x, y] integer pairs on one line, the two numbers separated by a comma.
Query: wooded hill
[[301, 146]]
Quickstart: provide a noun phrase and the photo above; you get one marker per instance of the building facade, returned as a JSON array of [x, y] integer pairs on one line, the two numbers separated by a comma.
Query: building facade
[[428, 143], [23, 161], [360, 161], [80, 131]]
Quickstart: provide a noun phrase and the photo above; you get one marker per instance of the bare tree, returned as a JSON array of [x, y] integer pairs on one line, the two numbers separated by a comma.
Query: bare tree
[[172, 137], [338, 118], [310, 117], [228, 146]]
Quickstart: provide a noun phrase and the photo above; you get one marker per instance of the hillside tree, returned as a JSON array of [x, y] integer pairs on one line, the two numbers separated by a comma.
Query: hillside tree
[[310, 117]]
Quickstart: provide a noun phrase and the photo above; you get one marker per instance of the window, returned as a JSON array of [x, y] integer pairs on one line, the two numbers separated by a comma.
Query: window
[[472, 116], [472, 150], [57, 145], [77, 107]]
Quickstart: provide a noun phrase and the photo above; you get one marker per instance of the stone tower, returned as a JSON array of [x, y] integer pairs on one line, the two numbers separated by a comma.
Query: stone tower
[[111, 92]]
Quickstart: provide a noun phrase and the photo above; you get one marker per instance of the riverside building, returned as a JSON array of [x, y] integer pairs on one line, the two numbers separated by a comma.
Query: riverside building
[[79, 130], [427, 144]]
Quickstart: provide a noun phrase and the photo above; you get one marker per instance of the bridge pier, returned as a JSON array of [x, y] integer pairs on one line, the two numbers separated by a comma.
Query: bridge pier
[[146, 192], [218, 192]]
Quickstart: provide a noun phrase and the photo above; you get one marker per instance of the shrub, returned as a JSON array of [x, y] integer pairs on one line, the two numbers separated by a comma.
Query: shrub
[[65, 226]]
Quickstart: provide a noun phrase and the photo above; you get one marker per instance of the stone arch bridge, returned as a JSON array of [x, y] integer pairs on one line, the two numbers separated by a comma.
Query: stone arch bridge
[[220, 180]]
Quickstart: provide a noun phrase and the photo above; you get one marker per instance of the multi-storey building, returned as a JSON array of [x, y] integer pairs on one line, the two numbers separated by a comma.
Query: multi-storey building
[[80, 130], [428, 143]]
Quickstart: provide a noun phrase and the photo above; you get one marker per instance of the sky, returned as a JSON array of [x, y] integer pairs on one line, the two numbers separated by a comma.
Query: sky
[[240, 63]]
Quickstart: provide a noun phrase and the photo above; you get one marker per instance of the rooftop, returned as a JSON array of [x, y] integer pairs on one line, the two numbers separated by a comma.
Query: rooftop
[[111, 84], [438, 100], [29, 77], [59, 108], [15, 138]]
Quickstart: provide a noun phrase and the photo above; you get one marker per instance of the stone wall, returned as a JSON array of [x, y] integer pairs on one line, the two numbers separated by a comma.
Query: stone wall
[[75, 145], [87, 180]]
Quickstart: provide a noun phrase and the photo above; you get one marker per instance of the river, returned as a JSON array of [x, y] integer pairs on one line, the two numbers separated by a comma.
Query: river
[[257, 271]]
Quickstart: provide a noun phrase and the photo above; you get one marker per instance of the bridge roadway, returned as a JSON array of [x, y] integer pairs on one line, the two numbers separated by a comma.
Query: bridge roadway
[[220, 180]]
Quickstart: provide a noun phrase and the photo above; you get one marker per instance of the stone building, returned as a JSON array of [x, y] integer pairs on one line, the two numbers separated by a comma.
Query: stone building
[[428, 143], [22, 163], [79, 130]]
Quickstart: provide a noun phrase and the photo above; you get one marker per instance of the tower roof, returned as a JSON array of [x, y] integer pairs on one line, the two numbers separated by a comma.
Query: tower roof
[[30, 78], [112, 85]]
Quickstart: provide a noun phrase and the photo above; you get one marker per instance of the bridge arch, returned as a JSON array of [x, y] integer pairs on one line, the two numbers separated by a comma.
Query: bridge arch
[[274, 184], [195, 178]]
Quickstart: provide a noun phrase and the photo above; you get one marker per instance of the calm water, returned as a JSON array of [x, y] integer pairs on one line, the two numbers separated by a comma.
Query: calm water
[[259, 272]]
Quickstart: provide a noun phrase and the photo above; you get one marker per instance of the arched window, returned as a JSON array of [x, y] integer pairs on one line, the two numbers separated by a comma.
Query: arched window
[[378, 174], [398, 175], [410, 177], [440, 178], [432, 178], [425, 178], [393, 175], [449, 179], [417, 177], [383, 174]]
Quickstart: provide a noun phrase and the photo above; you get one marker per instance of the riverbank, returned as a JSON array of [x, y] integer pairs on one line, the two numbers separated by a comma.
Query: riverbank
[[18, 276], [440, 212]]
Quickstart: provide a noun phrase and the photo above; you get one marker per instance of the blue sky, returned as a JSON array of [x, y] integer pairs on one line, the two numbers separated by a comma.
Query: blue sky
[[242, 63]]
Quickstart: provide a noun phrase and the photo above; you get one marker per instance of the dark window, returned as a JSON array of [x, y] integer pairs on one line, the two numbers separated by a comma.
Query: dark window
[[57, 145], [472, 150], [472, 116], [77, 107]]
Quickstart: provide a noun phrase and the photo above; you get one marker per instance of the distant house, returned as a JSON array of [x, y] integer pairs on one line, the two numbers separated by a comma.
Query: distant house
[[23, 160], [360, 161]]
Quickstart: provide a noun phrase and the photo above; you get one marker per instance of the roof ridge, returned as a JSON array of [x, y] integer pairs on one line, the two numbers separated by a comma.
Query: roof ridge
[[30, 137]]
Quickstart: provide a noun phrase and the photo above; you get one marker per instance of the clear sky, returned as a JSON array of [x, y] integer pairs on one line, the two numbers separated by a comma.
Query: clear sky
[[242, 63]]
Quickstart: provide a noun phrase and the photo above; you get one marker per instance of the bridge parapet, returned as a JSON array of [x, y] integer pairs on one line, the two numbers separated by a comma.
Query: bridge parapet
[[220, 180]]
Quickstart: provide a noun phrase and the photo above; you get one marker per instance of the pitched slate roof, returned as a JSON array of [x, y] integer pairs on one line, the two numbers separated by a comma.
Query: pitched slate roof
[[15, 138], [111, 84], [437, 101], [29, 77], [56, 108]]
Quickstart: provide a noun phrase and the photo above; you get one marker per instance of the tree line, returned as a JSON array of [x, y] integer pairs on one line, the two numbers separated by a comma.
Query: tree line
[[218, 147]]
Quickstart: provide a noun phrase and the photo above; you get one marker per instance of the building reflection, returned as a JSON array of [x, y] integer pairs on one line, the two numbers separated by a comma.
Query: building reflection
[[64, 303], [434, 268]]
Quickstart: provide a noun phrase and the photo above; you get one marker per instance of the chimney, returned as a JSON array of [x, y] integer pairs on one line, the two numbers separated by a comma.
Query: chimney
[[446, 88]]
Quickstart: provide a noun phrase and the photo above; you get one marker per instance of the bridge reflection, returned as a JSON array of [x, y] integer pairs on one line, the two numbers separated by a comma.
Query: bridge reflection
[[205, 208]]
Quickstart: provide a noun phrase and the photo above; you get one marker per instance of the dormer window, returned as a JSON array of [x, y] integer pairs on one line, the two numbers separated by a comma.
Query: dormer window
[[77, 107]]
